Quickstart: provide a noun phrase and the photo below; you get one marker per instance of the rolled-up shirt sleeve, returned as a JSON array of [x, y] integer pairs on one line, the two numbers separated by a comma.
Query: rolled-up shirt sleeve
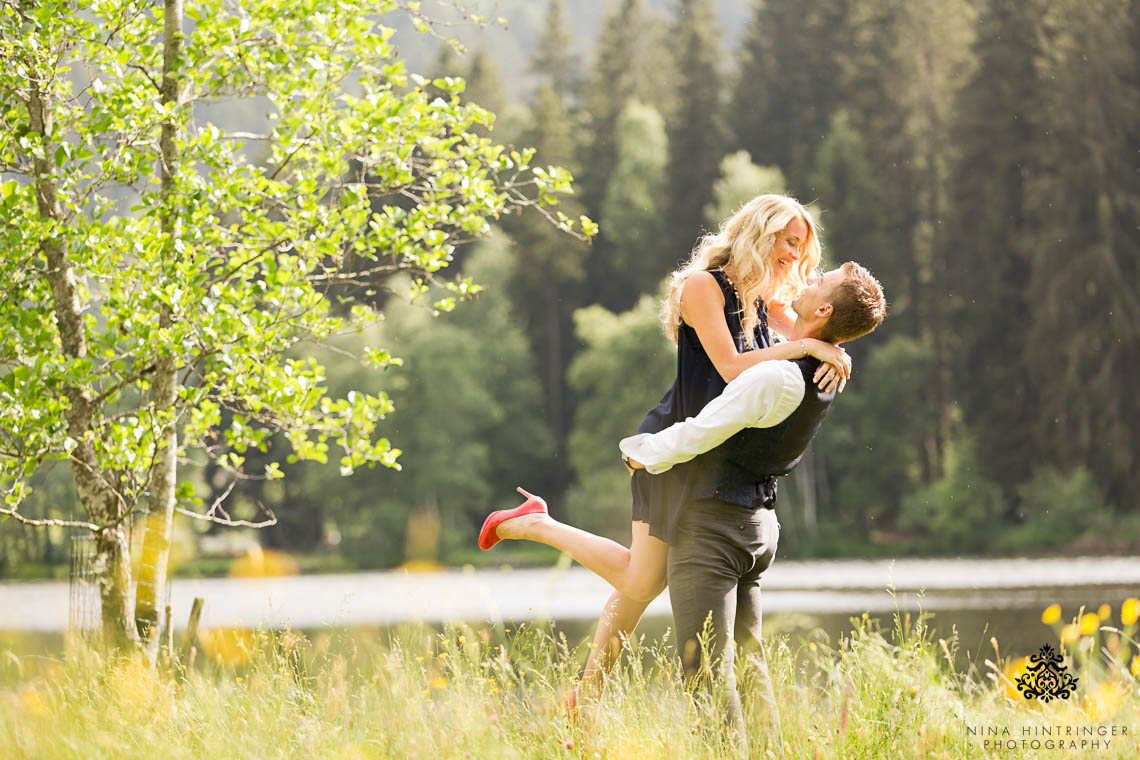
[[761, 396]]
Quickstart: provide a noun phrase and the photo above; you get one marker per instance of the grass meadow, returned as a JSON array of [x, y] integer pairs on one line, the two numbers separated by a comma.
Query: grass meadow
[[493, 692]]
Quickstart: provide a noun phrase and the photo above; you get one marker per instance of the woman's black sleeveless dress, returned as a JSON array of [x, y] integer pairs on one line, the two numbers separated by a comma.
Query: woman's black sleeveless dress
[[658, 499]]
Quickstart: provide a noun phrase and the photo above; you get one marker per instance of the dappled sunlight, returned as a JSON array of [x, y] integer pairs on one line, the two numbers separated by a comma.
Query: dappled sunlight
[[232, 647], [494, 690], [183, 547], [1105, 701], [263, 563], [422, 566], [31, 701]]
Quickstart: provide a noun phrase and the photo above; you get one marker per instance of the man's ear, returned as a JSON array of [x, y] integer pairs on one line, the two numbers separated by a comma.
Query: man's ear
[[824, 310]]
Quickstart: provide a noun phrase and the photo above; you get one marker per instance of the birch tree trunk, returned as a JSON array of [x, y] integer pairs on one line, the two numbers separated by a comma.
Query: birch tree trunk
[[156, 540], [112, 565]]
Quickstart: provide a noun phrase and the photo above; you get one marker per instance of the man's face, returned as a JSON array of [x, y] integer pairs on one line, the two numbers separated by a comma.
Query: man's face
[[818, 293]]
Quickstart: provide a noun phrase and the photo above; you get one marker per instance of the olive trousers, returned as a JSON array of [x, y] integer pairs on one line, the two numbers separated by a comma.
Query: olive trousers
[[715, 563]]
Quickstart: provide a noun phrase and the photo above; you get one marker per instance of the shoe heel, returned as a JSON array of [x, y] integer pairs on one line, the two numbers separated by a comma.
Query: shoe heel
[[532, 499]]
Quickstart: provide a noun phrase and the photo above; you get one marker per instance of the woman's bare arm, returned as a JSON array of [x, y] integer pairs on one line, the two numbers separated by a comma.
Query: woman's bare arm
[[702, 308], [781, 318]]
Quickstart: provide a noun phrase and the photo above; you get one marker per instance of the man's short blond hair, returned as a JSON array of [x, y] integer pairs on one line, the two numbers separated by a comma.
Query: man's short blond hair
[[858, 305]]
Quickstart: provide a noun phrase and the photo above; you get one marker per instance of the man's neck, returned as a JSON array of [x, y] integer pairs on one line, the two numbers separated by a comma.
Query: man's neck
[[802, 329]]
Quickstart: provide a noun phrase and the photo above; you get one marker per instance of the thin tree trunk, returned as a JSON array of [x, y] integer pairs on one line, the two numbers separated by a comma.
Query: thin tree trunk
[[112, 567], [96, 494], [555, 374], [805, 477], [156, 540]]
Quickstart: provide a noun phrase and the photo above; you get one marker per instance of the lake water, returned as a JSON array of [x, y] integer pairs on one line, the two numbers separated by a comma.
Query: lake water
[[981, 598]]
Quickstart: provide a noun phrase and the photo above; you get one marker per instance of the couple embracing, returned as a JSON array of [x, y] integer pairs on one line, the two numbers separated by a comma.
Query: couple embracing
[[704, 462]]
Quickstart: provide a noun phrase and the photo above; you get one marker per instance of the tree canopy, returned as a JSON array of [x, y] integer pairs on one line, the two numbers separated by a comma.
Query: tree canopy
[[162, 267]]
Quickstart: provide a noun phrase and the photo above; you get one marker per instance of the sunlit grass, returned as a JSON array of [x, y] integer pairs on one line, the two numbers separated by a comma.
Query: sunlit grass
[[493, 692]]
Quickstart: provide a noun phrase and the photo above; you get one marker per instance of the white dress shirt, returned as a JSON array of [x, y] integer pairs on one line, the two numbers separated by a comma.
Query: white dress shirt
[[762, 396]]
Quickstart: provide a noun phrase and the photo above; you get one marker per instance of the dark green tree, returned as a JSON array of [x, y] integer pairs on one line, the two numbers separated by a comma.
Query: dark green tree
[[901, 75], [998, 144], [554, 60], [625, 367], [696, 128], [485, 85], [633, 213], [629, 63], [469, 420], [547, 280], [1083, 346], [789, 83], [872, 442], [844, 179], [611, 83]]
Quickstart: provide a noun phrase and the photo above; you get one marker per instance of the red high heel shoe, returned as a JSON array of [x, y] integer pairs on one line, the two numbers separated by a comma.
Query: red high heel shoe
[[488, 536]]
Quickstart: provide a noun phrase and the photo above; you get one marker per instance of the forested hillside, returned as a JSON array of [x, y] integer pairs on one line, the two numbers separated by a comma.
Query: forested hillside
[[980, 157]]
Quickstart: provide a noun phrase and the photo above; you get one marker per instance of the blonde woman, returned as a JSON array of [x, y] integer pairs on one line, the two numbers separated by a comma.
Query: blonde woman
[[720, 304]]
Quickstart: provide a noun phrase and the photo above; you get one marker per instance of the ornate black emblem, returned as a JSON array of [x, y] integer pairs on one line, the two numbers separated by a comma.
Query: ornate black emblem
[[1045, 677]]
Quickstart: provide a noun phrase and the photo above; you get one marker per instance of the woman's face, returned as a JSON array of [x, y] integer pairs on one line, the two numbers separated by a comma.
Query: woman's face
[[789, 246]]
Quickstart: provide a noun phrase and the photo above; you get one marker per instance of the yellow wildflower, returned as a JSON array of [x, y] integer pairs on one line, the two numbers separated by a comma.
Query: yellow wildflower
[[1070, 633], [1014, 670], [1051, 614], [1090, 624], [1105, 701], [1135, 666], [1130, 611], [1104, 612], [32, 701]]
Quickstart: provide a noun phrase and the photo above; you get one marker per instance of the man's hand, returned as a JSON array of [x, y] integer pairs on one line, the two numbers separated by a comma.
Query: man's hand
[[835, 369], [631, 464]]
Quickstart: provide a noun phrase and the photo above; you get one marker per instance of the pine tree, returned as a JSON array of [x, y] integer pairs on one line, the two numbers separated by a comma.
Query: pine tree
[[611, 84], [484, 84], [844, 179], [902, 72], [1083, 346], [633, 212], [985, 251], [547, 281], [696, 132], [554, 60], [789, 83], [632, 61]]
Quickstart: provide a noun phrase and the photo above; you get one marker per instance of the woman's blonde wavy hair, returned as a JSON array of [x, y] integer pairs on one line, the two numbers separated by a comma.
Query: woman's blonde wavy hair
[[745, 240]]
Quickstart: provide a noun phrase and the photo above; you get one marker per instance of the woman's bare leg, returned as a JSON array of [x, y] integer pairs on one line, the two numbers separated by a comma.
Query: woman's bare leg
[[617, 623], [637, 572]]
